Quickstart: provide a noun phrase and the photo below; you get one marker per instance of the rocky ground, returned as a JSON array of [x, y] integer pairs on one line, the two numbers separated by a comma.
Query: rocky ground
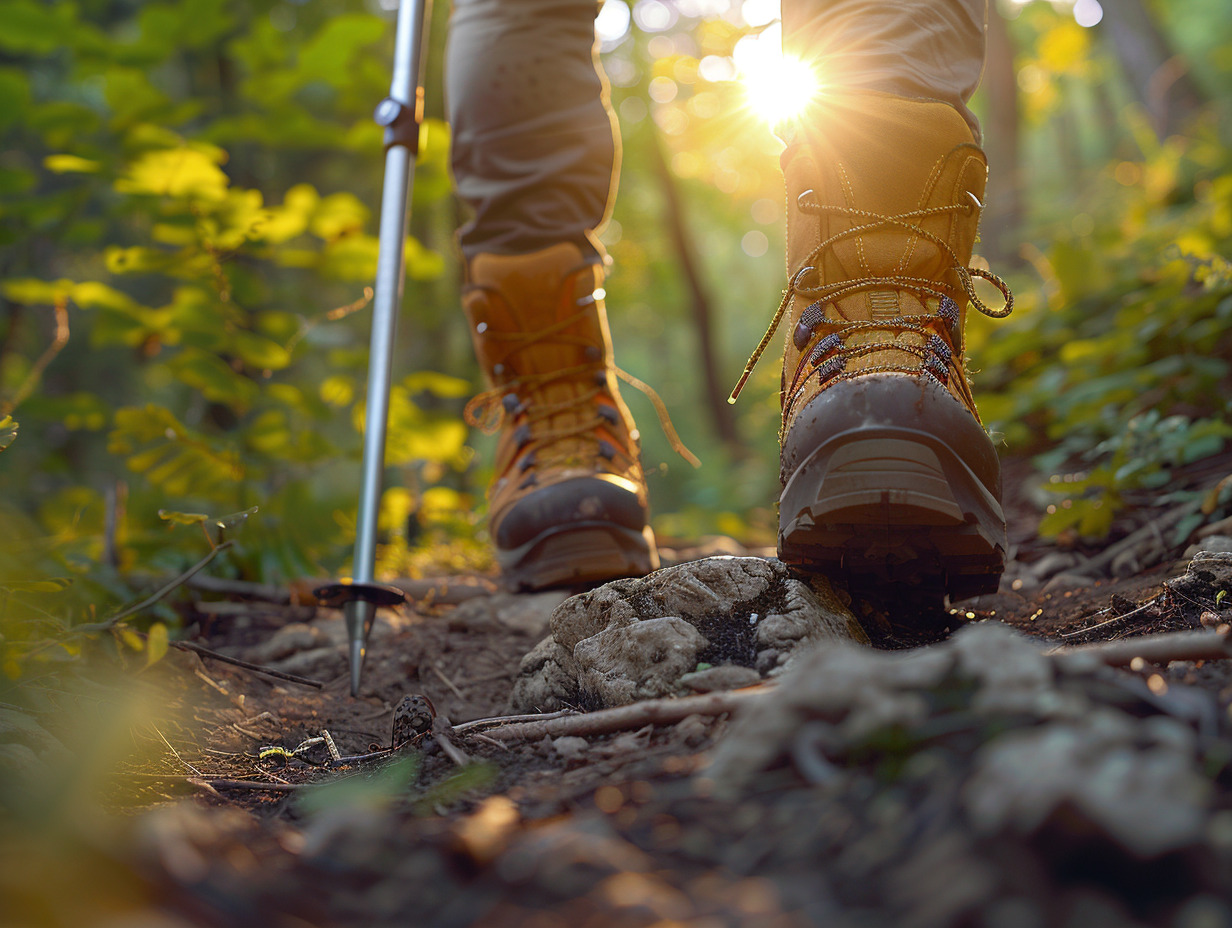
[[717, 744]]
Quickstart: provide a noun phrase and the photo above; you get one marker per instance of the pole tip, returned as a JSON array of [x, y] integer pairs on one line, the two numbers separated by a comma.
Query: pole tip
[[357, 665]]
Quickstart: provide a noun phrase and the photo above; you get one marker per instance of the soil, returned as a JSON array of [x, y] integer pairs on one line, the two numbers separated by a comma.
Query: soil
[[220, 810]]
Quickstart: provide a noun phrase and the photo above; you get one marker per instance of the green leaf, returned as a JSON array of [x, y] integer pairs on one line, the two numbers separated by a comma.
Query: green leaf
[[174, 459], [235, 518], [8, 431], [188, 172], [70, 164], [32, 292], [36, 28], [48, 585], [217, 381], [157, 644], [182, 518], [259, 352]]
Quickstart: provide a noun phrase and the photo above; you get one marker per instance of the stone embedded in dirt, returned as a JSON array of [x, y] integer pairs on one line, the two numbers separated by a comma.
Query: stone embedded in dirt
[[528, 613], [1211, 544], [1206, 574], [640, 638], [288, 640], [638, 661], [1058, 755], [723, 677], [1104, 768]]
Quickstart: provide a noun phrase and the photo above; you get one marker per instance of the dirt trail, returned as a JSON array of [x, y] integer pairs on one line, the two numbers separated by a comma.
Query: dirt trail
[[974, 781]]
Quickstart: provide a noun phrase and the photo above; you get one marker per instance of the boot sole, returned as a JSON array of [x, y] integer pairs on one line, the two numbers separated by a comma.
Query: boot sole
[[581, 553], [893, 506]]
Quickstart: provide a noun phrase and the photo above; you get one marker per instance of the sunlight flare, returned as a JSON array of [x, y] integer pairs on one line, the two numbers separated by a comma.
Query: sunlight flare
[[778, 86]]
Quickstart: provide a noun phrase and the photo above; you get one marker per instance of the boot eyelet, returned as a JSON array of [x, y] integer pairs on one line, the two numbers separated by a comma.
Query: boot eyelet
[[814, 314], [593, 353], [610, 414], [938, 368], [498, 370], [522, 436], [827, 345], [511, 403], [831, 369], [937, 345], [607, 450], [800, 198]]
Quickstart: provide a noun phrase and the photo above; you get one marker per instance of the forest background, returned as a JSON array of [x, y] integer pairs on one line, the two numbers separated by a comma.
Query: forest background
[[187, 217]]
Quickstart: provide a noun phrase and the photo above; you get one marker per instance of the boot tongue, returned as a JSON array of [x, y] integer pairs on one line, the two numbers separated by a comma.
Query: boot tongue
[[533, 297], [882, 154]]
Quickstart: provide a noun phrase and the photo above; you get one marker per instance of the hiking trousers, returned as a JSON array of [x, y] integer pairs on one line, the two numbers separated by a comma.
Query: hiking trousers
[[536, 146]]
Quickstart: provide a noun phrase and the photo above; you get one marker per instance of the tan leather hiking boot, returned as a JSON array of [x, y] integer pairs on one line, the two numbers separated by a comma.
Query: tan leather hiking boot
[[887, 474], [568, 502]]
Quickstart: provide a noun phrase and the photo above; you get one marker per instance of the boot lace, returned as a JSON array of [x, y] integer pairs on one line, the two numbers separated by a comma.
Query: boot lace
[[488, 410], [830, 354]]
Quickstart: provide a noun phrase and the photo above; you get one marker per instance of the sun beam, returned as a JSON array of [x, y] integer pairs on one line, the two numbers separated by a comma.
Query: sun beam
[[778, 86]]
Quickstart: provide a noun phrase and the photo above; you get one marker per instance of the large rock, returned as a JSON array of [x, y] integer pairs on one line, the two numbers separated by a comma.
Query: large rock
[[636, 639], [1066, 750]]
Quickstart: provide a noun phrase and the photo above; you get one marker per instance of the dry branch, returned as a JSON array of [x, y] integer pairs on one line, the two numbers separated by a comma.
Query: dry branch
[[255, 668], [1155, 649], [651, 712]]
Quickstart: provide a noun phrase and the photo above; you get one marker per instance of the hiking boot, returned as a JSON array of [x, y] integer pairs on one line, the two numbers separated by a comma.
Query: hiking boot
[[887, 474], [568, 502]]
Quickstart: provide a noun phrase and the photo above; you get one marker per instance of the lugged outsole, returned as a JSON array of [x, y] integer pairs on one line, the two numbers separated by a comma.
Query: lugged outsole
[[888, 506], [579, 554]]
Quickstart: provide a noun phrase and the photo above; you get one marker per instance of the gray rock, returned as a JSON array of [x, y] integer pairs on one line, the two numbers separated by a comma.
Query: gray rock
[[1212, 544], [288, 640], [529, 613], [318, 663], [723, 677], [1062, 582], [1150, 799], [616, 644], [1206, 574], [547, 678], [570, 747], [638, 661]]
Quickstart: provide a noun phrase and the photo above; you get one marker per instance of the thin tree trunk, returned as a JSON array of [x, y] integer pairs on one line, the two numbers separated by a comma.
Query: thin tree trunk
[[1003, 215], [1158, 76], [715, 400]]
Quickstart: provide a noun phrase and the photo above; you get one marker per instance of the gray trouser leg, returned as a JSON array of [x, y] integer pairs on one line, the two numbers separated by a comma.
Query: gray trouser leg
[[535, 146], [932, 49], [536, 150]]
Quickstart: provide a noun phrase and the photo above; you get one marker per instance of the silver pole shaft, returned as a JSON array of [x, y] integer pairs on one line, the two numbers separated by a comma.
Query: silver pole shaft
[[390, 275]]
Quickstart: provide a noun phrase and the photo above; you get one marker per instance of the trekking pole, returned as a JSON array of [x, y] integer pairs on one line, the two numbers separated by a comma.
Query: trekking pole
[[400, 113]]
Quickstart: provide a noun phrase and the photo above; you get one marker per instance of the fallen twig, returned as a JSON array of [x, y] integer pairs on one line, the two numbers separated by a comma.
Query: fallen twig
[[255, 668], [651, 712], [111, 621], [509, 719], [1153, 529], [1079, 632], [245, 784], [1155, 649], [449, 683], [451, 750]]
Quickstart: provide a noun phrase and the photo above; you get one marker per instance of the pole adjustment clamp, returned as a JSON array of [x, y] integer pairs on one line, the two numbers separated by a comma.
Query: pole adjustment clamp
[[401, 122]]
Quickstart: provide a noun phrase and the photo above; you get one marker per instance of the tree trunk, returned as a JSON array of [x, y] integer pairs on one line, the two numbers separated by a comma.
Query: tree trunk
[[715, 400], [1004, 210], [1158, 77]]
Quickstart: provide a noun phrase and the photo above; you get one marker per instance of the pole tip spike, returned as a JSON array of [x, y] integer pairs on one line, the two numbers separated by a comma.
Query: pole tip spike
[[357, 665]]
